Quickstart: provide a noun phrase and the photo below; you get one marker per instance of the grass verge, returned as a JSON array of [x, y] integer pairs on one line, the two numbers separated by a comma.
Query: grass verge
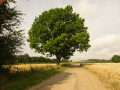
[[21, 80]]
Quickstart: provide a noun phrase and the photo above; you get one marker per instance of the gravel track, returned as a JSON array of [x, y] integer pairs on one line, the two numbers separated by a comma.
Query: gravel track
[[74, 78]]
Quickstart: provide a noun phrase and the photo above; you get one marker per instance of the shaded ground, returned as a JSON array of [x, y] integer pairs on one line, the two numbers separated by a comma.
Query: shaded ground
[[74, 78]]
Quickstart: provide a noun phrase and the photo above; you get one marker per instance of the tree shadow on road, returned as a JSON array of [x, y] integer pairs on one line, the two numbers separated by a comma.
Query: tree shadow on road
[[54, 80], [60, 78]]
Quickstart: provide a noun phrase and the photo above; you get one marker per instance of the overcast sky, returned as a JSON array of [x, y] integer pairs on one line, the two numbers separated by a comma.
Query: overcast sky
[[102, 17]]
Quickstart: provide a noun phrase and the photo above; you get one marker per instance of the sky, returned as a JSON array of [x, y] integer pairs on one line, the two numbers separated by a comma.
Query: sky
[[102, 17]]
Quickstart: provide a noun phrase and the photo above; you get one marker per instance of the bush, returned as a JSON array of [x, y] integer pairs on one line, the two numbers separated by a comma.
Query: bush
[[116, 58], [65, 64], [81, 64]]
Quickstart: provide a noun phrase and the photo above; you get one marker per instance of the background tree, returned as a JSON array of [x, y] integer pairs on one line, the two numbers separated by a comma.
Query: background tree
[[26, 58], [20, 59], [116, 58], [10, 39], [59, 32]]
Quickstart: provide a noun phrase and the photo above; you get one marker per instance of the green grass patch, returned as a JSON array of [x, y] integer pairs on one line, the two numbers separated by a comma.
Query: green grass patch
[[42, 62], [24, 79]]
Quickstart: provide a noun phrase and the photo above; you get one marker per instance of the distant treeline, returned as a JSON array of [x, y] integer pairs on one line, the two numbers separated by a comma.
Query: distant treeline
[[96, 61], [27, 59]]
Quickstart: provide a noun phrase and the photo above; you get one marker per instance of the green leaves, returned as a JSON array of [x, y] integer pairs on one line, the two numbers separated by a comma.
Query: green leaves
[[10, 18], [59, 32], [10, 39], [116, 58]]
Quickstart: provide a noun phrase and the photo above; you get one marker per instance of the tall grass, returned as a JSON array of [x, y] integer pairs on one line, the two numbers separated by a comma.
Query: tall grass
[[109, 73], [20, 77]]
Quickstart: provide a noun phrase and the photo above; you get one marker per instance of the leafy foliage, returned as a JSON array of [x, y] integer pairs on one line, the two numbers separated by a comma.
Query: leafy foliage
[[59, 32], [23, 58], [116, 58], [27, 59], [10, 18], [9, 45], [10, 39]]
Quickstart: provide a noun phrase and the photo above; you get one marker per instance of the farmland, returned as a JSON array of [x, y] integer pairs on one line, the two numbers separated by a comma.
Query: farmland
[[74, 78], [26, 67], [108, 73], [20, 77], [24, 76]]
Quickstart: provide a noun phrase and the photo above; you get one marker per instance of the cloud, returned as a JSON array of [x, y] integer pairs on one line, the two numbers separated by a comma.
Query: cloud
[[101, 17], [101, 48], [106, 42], [86, 9]]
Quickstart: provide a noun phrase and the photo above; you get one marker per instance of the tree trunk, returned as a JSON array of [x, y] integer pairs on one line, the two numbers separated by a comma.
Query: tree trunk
[[58, 61]]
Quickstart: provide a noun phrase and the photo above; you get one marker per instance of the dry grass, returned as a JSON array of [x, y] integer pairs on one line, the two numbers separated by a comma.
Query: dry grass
[[109, 73], [26, 67], [20, 77]]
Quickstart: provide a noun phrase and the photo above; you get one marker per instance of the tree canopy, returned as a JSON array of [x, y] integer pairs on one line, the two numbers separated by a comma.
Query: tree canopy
[[116, 58], [59, 32], [10, 38], [10, 17]]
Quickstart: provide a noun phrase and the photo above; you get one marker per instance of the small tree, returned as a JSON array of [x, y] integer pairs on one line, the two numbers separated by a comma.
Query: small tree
[[19, 58], [59, 32], [26, 58], [116, 58]]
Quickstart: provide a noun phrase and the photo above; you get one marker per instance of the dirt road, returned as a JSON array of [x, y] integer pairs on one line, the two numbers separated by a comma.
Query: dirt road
[[74, 78]]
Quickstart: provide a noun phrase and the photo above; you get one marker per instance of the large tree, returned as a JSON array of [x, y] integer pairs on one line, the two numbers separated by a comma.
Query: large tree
[[10, 38], [59, 32]]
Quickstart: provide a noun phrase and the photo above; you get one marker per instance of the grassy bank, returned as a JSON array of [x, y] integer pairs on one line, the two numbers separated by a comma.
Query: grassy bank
[[21, 78], [108, 73]]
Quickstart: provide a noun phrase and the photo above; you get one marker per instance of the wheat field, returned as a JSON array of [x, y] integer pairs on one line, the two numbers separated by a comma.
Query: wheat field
[[109, 73], [27, 67]]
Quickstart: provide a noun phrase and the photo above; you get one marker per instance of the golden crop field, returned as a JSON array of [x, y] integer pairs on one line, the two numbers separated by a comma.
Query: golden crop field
[[27, 67], [109, 73]]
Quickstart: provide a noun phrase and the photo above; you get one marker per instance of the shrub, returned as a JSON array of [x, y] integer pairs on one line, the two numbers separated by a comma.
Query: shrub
[[116, 58], [65, 64], [81, 64]]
